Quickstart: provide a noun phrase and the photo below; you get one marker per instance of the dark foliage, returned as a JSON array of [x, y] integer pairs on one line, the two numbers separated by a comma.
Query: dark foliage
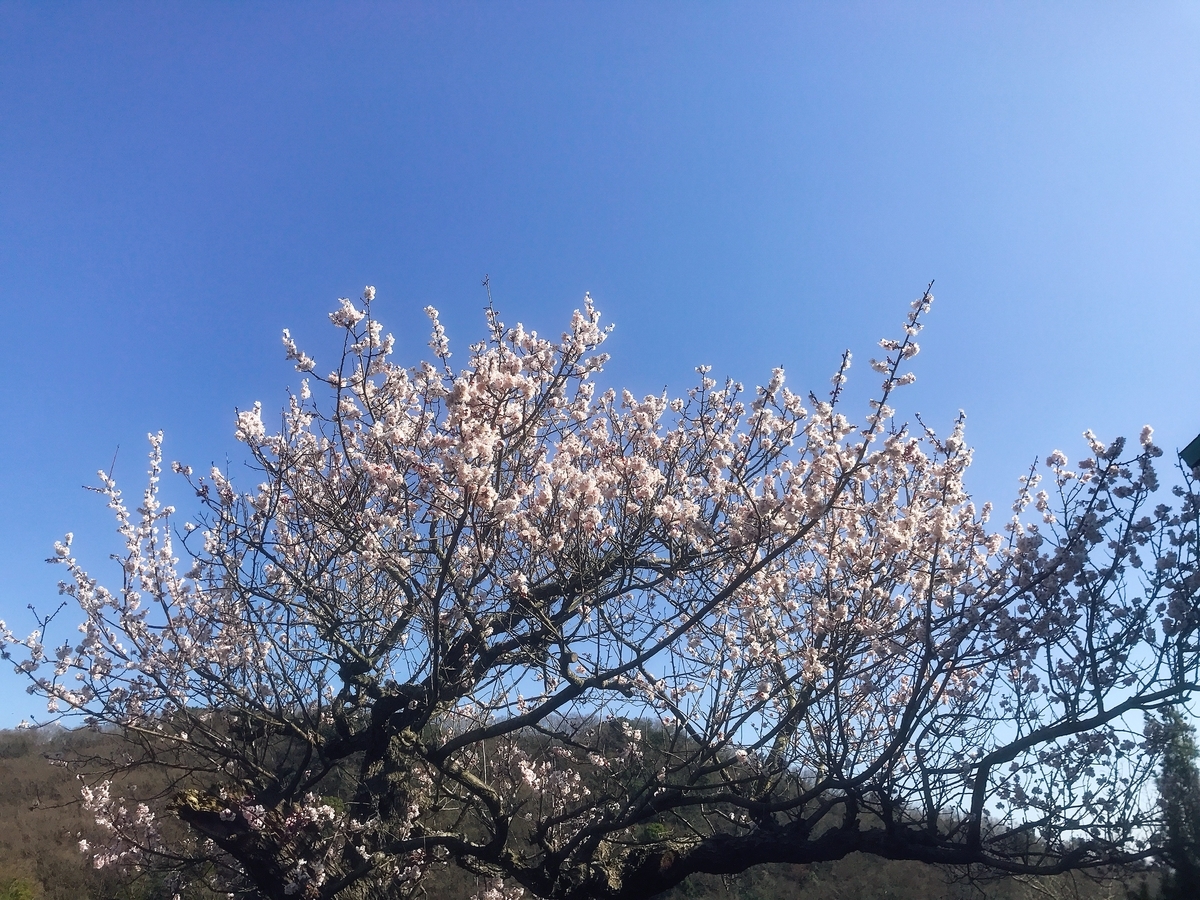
[[40, 859]]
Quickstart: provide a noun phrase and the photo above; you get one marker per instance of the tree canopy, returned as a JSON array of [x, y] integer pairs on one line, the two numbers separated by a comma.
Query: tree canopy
[[586, 645], [1179, 793]]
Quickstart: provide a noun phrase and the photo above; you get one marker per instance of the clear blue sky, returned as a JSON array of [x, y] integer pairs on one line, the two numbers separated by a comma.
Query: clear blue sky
[[743, 185]]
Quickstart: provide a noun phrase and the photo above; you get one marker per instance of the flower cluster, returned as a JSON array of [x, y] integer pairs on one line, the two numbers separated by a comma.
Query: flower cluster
[[129, 832]]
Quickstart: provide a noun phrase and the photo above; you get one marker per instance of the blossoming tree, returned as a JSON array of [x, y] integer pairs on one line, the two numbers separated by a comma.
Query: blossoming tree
[[585, 645]]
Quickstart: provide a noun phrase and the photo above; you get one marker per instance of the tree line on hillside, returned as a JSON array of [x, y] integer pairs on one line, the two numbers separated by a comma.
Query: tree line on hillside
[[40, 858]]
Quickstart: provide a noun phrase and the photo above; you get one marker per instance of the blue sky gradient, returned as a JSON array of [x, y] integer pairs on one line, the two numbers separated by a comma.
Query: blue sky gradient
[[741, 185]]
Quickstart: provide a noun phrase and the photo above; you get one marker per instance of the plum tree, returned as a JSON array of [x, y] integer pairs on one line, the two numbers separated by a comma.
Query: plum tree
[[586, 645]]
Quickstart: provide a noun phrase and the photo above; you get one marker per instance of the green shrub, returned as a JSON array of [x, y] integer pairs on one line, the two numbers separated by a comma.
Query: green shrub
[[17, 888]]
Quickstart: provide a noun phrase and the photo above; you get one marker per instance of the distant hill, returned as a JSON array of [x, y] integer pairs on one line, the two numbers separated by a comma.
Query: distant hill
[[41, 823]]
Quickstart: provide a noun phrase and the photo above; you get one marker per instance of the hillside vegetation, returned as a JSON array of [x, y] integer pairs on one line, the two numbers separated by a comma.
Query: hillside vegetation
[[43, 823]]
